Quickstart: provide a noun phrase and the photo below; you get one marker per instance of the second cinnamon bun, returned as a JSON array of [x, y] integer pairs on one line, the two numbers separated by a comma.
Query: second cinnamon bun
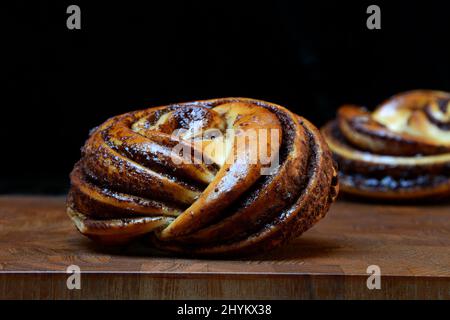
[[400, 151]]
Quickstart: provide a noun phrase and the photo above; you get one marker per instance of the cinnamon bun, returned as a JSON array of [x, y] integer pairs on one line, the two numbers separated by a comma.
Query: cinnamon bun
[[174, 178], [400, 151]]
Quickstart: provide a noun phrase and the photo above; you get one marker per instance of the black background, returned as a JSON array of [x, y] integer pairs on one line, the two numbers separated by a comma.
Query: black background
[[310, 56]]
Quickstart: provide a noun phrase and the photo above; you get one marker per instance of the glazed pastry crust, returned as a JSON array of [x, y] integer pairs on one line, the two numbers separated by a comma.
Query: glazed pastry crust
[[127, 185], [398, 152]]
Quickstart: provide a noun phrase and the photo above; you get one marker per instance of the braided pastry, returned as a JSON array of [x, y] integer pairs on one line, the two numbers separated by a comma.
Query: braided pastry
[[399, 151], [135, 181]]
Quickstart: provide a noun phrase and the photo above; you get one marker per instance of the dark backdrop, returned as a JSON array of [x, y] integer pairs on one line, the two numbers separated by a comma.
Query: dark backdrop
[[310, 56]]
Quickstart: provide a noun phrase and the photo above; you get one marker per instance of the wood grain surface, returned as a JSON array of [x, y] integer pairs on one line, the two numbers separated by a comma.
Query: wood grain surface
[[411, 245]]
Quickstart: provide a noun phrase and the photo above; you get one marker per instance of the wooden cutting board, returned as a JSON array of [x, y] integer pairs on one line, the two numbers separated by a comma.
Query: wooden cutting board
[[410, 244]]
